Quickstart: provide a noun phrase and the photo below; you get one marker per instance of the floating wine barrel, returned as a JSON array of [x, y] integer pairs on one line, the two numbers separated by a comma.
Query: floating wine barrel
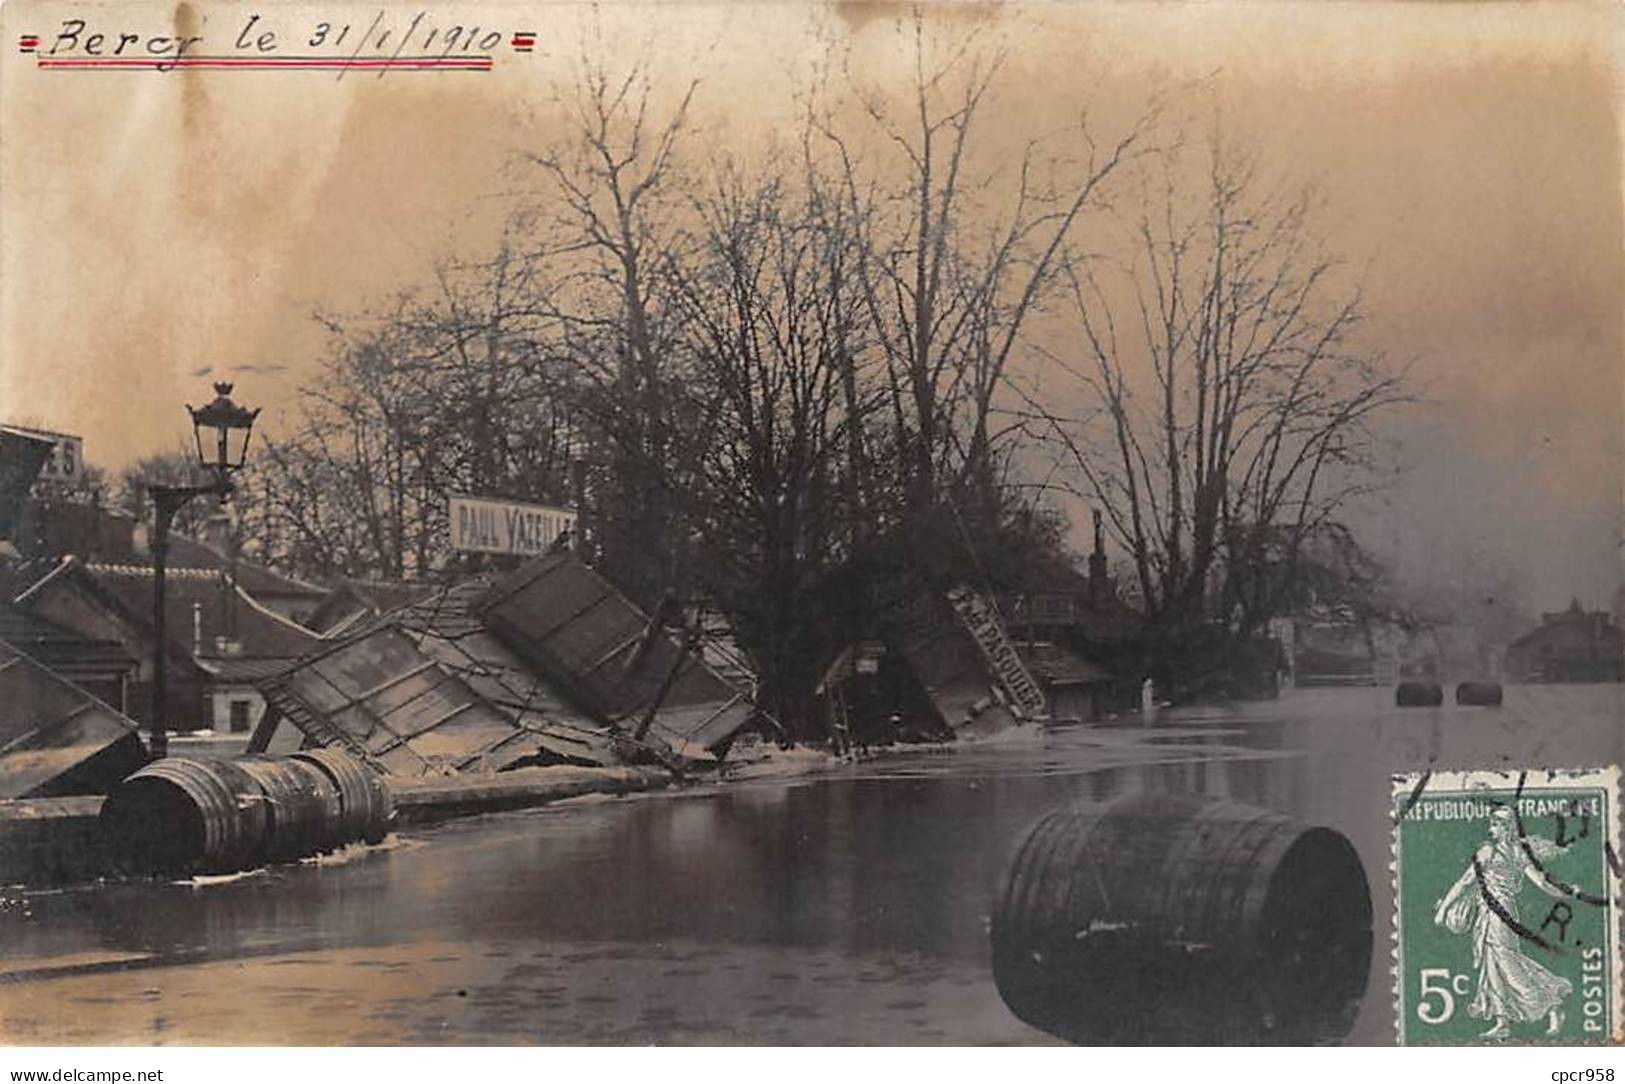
[[364, 801], [1181, 920], [304, 814], [187, 816], [1479, 693], [1418, 694], [222, 816]]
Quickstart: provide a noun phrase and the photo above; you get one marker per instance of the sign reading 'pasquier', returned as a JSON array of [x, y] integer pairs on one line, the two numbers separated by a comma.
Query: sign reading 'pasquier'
[[981, 620], [482, 525]]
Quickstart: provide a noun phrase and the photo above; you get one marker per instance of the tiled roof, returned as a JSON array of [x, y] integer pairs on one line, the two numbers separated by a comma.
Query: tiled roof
[[18, 577], [439, 686], [214, 599], [386, 595], [256, 579]]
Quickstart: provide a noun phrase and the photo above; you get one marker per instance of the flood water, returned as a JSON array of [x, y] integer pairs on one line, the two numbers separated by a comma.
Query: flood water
[[846, 907]]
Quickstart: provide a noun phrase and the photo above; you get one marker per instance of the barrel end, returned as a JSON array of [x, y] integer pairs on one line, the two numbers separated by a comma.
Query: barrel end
[[1418, 694], [1481, 694]]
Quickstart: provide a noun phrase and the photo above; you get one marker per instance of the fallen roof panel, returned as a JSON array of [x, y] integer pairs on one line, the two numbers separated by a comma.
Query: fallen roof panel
[[427, 691], [571, 625], [55, 738], [953, 667]]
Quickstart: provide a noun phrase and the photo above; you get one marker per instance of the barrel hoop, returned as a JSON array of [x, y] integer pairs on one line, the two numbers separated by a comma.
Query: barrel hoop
[[1036, 885], [1238, 870], [1247, 889], [1036, 870], [326, 793], [300, 824], [364, 802], [1184, 911]]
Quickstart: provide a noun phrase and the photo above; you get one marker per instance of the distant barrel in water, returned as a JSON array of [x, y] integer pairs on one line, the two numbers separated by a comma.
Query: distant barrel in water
[[1419, 694], [1479, 693], [364, 800], [1178, 919], [187, 816]]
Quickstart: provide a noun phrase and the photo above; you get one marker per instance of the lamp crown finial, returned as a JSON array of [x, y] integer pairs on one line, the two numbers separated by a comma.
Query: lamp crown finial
[[222, 388]]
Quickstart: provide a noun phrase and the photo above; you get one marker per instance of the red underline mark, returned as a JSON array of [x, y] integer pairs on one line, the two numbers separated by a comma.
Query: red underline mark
[[430, 63]]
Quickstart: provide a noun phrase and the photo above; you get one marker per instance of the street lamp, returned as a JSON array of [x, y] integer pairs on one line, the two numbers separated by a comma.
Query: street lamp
[[222, 430]]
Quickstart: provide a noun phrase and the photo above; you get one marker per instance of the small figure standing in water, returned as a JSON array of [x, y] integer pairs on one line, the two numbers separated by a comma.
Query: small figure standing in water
[[1512, 987], [1148, 702]]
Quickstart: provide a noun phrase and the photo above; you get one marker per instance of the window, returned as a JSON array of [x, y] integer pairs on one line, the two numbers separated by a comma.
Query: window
[[239, 715]]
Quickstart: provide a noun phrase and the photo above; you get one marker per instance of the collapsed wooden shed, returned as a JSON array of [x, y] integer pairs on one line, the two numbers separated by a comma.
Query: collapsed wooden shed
[[56, 739], [959, 648], [609, 656], [946, 669], [427, 691], [548, 665]]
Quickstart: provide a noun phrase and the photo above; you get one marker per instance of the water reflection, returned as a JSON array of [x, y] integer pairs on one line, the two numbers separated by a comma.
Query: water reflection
[[896, 860]]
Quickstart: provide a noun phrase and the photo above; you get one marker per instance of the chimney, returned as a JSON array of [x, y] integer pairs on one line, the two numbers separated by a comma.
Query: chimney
[[120, 534], [218, 532], [1097, 566]]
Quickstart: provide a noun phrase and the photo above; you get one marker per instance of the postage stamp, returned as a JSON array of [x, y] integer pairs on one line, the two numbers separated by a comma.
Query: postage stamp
[[1506, 907]]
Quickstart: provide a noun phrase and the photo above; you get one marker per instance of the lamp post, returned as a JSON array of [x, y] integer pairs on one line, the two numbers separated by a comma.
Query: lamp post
[[221, 429]]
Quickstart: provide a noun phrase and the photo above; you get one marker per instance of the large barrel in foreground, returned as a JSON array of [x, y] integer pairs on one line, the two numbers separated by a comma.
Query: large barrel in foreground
[[187, 816], [365, 804], [1181, 920]]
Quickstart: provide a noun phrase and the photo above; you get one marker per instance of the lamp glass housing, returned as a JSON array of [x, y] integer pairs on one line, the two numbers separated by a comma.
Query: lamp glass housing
[[222, 429]]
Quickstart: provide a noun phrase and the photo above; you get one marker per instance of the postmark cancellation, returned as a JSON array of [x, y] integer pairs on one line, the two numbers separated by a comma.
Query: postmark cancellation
[[1506, 924]]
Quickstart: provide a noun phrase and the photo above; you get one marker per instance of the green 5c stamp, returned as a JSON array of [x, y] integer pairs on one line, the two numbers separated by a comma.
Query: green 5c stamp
[[1505, 907]]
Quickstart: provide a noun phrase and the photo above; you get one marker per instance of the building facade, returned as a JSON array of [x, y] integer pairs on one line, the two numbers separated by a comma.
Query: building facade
[[1572, 645]]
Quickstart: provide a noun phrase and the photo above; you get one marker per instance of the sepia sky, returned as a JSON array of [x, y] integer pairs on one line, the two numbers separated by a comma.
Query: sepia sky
[[1467, 156]]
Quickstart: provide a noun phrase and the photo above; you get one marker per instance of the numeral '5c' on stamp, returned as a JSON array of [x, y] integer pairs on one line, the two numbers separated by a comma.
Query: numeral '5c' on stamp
[[1505, 907]]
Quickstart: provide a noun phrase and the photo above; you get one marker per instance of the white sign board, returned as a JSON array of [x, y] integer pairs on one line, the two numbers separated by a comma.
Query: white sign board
[[67, 461], [981, 620], [483, 525]]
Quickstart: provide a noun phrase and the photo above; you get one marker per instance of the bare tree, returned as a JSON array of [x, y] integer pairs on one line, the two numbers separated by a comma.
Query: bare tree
[[771, 310], [959, 255], [1222, 347], [614, 233], [457, 388]]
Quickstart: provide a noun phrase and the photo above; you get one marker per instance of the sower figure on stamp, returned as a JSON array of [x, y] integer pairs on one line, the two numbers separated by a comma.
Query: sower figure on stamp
[[1512, 987]]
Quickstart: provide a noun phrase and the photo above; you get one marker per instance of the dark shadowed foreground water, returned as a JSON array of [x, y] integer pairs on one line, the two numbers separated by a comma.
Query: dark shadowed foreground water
[[849, 907]]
